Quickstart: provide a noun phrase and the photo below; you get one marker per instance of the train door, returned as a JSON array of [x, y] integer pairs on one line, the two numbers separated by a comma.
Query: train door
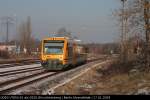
[[74, 54], [70, 53]]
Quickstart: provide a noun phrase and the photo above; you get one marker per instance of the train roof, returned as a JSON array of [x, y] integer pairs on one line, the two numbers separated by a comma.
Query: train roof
[[49, 38], [71, 40]]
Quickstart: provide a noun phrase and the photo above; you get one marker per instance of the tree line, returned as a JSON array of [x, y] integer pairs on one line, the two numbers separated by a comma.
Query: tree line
[[134, 20]]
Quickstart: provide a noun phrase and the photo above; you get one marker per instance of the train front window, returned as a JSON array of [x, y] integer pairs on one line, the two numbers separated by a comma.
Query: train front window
[[53, 47]]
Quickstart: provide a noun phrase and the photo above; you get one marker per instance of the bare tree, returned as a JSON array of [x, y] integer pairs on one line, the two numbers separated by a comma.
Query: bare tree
[[139, 21], [138, 13], [22, 35], [123, 15], [25, 35], [147, 29], [28, 37]]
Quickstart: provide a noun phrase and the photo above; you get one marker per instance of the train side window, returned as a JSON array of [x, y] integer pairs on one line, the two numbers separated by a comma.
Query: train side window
[[70, 51]]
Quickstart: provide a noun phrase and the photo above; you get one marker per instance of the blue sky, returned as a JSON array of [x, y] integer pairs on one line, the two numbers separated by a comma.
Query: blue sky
[[91, 20]]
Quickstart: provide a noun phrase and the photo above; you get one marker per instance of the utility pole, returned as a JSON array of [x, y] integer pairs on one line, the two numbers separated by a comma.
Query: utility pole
[[123, 32], [7, 21], [147, 30]]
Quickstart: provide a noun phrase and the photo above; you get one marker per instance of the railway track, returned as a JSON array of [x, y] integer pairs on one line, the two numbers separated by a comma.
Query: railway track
[[25, 62], [23, 70], [12, 72], [22, 63], [16, 83], [23, 81], [18, 78]]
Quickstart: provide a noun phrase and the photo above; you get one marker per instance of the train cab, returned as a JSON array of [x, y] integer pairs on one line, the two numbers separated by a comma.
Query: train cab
[[58, 53]]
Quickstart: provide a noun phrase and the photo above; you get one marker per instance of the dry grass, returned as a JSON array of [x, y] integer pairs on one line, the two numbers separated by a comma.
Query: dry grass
[[109, 79]]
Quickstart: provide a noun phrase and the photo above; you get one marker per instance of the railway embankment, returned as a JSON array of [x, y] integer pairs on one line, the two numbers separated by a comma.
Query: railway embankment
[[108, 79]]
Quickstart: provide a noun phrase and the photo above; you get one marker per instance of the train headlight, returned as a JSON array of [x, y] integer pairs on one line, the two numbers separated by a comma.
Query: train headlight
[[44, 57], [61, 58]]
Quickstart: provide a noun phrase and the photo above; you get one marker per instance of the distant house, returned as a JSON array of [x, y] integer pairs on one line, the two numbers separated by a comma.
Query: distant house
[[9, 48]]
